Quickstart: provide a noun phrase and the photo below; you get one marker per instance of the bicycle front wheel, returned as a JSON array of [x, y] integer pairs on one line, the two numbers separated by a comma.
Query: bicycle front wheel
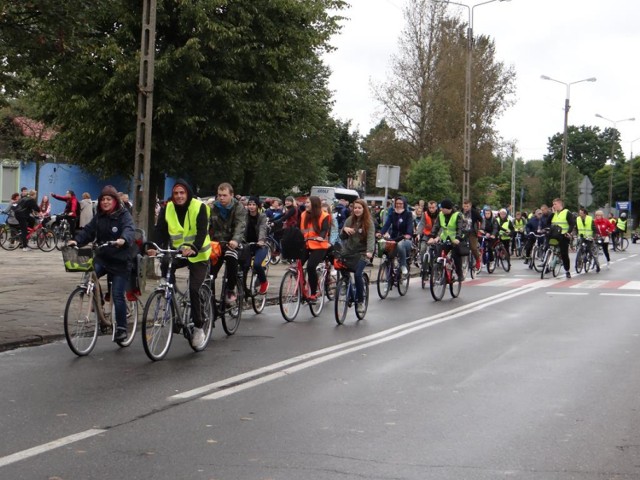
[[289, 296], [365, 297], [624, 244], [403, 281], [557, 263], [233, 313], [341, 305], [206, 315], [330, 283], [505, 259], [455, 286], [81, 321], [580, 257], [316, 308], [9, 238], [133, 309], [437, 281], [46, 240], [274, 255], [258, 301], [384, 279], [157, 325]]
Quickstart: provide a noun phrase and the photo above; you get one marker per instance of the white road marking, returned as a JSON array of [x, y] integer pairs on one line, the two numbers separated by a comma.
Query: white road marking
[[60, 442]]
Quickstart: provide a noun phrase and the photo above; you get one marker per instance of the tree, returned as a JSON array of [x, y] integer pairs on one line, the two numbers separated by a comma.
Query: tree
[[587, 147], [423, 100], [429, 179], [240, 90], [347, 154]]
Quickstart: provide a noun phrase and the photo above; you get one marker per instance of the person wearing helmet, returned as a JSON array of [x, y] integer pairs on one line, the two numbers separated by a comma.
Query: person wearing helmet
[[621, 228]]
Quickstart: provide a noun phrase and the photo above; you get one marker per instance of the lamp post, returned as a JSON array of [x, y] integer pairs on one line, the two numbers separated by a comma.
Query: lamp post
[[466, 169], [631, 179], [613, 145], [565, 136]]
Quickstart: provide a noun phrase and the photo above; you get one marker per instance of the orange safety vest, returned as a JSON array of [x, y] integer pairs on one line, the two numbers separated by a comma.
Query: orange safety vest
[[428, 224], [311, 233]]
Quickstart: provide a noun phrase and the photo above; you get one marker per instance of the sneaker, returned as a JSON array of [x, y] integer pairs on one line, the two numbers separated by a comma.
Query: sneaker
[[527, 260], [264, 286], [197, 339], [568, 274], [607, 265], [404, 269], [313, 299], [121, 335], [597, 268], [231, 297], [360, 308], [25, 249]]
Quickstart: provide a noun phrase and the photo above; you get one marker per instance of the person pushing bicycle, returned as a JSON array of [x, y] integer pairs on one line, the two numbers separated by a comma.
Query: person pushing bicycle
[[112, 223], [185, 222]]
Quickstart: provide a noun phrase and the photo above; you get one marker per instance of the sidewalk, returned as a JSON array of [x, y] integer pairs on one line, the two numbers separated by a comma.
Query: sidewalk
[[33, 292]]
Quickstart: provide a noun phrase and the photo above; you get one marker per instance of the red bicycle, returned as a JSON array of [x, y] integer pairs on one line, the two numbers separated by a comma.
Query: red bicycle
[[38, 236], [295, 290], [443, 273]]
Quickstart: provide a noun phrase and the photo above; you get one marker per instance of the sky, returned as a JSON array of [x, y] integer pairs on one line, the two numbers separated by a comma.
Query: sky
[[568, 40]]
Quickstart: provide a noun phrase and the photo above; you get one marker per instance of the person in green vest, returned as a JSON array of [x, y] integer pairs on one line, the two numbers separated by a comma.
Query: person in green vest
[[505, 228], [518, 224], [567, 223], [587, 231], [184, 223], [448, 226], [621, 228]]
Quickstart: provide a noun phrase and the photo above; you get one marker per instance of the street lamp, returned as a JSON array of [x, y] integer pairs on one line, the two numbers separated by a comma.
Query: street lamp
[[631, 179], [466, 169], [565, 136], [613, 144]]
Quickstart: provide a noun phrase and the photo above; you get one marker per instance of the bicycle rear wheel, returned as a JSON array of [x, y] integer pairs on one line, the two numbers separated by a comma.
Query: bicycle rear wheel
[[437, 281], [289, 296], [330, 283], [341, 305], [384, 279], [505, 259], [365, 297], [206, 305], [132, 321], [46, 240], [157, 325], [557, 263], [455, 286], [624, 244], [274, 258], [81, 321], [9, 238]]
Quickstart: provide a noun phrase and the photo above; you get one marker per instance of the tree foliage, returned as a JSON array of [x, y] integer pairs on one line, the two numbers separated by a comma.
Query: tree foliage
[[423, 100], [430, 179], [240, 91]]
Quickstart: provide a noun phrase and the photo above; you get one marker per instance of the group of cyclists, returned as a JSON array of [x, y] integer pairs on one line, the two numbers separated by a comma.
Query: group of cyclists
[[238, 227]]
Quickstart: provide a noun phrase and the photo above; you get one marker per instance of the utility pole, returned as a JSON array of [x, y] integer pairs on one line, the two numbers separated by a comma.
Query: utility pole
[[142, 164], [513, 179]]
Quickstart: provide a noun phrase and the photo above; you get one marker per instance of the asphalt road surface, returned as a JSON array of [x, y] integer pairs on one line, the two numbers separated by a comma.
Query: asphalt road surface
[[516, 378]]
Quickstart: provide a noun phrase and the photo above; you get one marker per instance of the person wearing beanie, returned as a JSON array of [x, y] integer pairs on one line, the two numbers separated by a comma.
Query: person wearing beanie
[[228, 223], [448, 226], [184, 224], [256, 236], [399, 227], [112, 223]]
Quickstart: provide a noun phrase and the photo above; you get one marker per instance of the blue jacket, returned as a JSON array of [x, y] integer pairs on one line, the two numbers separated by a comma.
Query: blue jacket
[[398, 224]]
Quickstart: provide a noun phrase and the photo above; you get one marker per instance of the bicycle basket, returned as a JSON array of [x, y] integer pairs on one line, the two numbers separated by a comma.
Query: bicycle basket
[[346, 262], [77, 259], [555, 232], [390, 247], [216, 252]]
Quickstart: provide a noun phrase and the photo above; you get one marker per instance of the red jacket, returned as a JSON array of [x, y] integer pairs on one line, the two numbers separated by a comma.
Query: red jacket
[[604, 226]]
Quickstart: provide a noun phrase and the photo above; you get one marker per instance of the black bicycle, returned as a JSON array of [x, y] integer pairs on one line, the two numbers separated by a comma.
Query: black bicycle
[[226, 309], [346, 292]]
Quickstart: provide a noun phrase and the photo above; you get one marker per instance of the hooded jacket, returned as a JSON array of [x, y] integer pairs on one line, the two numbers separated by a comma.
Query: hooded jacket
[[398, 224]]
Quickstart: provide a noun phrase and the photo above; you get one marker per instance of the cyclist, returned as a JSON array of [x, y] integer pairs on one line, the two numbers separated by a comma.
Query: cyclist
[[399, 227], [472, 220], [228, 223], [358, 238], [448, 226], [567, 223], [621, 228], [518, 224], [505, 228], [604, 228], [315, 225], [425, 225], [533, 226], [586, 229], [256, 233], [488, 229], [25, 210], [185, 220], [11, 211], [112, 223], [71, 208]]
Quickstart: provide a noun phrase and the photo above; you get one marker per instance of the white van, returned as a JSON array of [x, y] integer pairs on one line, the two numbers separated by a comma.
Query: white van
[[331, 194]]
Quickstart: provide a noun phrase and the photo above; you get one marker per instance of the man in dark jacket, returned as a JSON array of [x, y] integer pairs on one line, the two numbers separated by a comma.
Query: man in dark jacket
[[112, 223], [449, 226], [26, 206], [228, 224], [399, 227]]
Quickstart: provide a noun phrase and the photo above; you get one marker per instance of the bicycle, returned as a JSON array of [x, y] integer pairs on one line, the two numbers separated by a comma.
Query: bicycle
[[230, 313], [427, 264], [389, 274], [444, 273], [168, 311], [538, 250], [275, 248], [486, 252], [552, 261], [501, 255], [85, 315], [517, 245], [346, 292], [295, 290], [585, 258], [39, 236], [252, 290], [621, 243], [62, 230]]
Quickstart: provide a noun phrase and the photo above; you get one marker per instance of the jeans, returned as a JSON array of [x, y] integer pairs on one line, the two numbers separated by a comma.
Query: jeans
[[359, 280], [118, 287], [197, 276], [259, 253], [403, 248]]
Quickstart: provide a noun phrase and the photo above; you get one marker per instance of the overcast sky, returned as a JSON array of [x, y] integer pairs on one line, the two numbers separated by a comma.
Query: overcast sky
[[568, 40]]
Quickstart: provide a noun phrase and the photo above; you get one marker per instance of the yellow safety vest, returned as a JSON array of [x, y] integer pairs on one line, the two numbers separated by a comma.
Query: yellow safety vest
[[585, 228], [519, 224], [181, 234], [505, 233], [561, 220], [448, 229], [621, 224]]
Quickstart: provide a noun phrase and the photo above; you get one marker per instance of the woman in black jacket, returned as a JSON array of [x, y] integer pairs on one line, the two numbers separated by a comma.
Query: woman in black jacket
[[112, 223]]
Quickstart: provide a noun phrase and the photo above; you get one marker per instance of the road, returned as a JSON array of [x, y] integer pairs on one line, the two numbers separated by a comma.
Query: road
[[517, 378]]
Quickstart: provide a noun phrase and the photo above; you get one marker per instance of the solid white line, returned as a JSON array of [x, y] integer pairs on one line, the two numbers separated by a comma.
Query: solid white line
[[60, 442], [621, 294], [365, 342]]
